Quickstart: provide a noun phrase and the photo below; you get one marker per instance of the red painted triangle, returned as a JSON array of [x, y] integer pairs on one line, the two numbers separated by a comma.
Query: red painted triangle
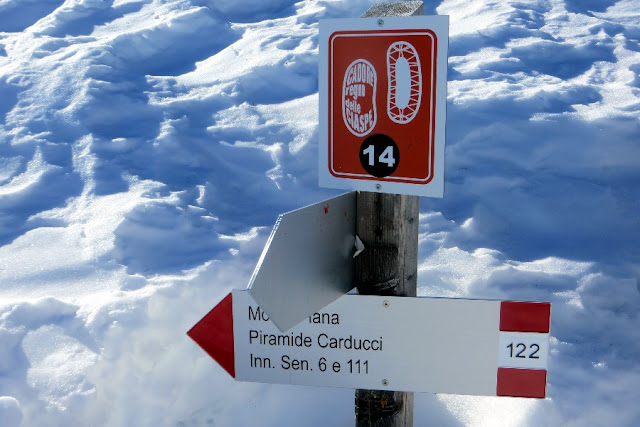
[[214, 333]]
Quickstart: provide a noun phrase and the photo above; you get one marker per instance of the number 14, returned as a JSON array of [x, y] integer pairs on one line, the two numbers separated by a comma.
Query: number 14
[[385, 157]]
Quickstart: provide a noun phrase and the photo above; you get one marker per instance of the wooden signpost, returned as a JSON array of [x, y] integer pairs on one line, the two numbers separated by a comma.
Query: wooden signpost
[[382, 117], [388, 226]]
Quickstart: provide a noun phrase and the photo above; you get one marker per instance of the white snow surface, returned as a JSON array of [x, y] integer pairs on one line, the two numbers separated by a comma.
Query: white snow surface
[[147, 147]]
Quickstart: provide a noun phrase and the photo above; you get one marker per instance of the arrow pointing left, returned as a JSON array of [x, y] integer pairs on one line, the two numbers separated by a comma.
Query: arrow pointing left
[[214, 333], [457, 346]]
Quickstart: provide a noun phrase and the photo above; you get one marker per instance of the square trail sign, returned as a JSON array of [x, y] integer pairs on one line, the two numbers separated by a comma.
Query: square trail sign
[[383, 104]]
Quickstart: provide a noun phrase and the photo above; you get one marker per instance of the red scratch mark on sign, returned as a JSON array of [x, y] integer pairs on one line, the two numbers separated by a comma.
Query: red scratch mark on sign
[[326, 209]]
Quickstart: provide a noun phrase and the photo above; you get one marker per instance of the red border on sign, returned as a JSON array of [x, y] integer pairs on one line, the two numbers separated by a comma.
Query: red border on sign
[[430, 174], [515, 382], [525, 316]]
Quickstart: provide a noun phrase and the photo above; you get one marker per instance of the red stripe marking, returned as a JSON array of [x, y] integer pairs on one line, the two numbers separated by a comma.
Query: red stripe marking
[[525, 316], [214, 333], [522, 382]]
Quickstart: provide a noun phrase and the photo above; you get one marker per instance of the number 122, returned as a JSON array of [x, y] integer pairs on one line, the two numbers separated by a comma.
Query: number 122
[[521, 348]]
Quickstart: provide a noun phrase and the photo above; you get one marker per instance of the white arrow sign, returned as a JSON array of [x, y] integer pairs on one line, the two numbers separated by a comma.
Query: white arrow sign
[[445, 345], [307, 262]]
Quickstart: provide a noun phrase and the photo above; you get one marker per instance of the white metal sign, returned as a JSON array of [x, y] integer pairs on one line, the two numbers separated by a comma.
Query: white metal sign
[[405, 344], [308, 261]]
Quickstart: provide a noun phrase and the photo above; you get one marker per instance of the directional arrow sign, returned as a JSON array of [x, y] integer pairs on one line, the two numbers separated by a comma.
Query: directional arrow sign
[[307, 261], [453, 346]]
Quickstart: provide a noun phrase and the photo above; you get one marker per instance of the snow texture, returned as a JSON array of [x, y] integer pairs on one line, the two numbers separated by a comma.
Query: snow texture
[[147, 147]]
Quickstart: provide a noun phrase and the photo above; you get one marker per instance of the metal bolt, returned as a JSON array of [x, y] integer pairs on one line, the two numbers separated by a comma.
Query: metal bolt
[[386, 304], [380, 22], [385, 383], [378, 187]]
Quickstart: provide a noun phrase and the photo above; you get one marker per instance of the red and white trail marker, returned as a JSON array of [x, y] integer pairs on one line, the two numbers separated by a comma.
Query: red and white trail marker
[[383, 104], [452, 346]]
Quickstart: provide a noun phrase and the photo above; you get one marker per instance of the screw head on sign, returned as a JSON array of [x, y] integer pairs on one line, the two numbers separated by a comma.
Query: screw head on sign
[[385, 383], [380, 22], [386, 304], [378, 187]]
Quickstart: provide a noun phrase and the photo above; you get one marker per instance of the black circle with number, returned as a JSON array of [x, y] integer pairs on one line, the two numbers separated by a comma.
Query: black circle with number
[[379, 155]]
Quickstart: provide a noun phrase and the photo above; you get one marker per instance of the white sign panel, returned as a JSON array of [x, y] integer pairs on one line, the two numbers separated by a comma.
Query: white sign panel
[[308, 261], [523, 350], [435, 345]]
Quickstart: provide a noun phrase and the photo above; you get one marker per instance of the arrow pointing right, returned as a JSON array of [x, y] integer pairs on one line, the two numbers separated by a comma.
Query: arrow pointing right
[[307, 262]]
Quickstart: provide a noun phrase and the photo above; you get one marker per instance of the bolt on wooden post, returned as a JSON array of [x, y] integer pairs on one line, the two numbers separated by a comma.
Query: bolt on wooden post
[[387, 224]]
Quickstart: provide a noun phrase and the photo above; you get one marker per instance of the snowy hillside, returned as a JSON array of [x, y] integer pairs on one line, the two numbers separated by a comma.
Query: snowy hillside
[[147, 147]]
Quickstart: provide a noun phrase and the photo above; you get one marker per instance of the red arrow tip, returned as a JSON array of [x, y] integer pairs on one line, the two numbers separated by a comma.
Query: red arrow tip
[[214, 333]]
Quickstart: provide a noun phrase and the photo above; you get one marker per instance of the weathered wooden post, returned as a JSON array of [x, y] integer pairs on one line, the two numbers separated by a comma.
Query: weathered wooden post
[[387, 224], [427, 339]]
